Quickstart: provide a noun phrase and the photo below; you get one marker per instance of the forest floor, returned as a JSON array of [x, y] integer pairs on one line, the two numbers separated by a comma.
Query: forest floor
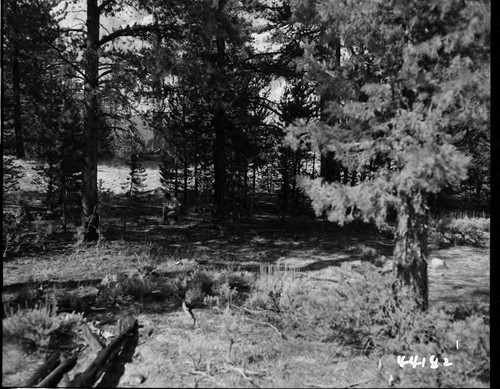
[[224, 349]]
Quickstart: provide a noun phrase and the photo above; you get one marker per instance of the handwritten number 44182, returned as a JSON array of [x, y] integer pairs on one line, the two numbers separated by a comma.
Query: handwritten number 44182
[[414, 362]]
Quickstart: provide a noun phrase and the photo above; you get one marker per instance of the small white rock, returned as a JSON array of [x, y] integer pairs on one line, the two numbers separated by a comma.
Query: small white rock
[[438, 263], [134, 379]]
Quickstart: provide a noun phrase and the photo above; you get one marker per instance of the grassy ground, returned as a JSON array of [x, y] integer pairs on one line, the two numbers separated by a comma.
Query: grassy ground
[[226, 347]]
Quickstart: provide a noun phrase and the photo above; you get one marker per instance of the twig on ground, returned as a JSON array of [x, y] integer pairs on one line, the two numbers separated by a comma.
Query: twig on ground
[[244, 373], [282, 335], [359, 383], [313, 385], [207, 375], [261, 322], [324, 279], [188, 311]]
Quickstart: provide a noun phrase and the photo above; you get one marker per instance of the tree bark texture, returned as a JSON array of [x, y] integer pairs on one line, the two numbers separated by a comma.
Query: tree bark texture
[[410, 256], [186, 176], [220, 123], [90, 132], [16, 89]]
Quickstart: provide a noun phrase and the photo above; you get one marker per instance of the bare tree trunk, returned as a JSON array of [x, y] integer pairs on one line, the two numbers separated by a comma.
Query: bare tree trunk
[[254, 181], [186, 174], [354, 178], [176, 179], [220, 123], [245, 186], [295, 171], [16, 89], [345, 176], [64, 191], [314, 166], [410, 255], [196, 177], [285, 187], [90, 132]]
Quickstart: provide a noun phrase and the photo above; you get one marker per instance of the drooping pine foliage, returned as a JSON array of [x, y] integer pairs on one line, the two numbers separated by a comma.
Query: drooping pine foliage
[[415, 83], [408, 111]]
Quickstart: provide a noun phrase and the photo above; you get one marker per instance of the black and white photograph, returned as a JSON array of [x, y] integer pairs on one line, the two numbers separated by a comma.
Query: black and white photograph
[[246, 193]]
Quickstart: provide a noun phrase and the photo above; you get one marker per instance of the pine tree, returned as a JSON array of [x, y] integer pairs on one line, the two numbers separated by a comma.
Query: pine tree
[[28, 32], [61, 151], [416, 78], [138, 176]]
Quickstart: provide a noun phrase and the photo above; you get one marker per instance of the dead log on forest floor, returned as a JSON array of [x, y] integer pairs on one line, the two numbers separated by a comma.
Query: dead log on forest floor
[[57, 374], [104, 358], [43, 371]]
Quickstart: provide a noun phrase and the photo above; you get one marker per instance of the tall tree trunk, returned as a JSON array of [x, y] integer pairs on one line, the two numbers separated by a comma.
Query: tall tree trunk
[[285, 187], [196, 178], [410, 256], [254, 181], [246, 206], [345, 175], [354, 178], [186, 174], [330, 168], [16, 89], [314, 166], [176, 179], [90, 132], [220, 122]]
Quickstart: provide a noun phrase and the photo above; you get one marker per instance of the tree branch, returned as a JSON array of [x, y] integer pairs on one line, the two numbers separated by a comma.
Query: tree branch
[[64, 59], [105, 73], [104, 4], [134, 31]]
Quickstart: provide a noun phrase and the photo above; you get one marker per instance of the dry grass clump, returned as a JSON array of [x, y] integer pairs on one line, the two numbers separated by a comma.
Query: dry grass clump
[[35, 326]]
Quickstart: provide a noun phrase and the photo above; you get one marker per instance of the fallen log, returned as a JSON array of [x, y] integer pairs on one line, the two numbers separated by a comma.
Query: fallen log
[[53, 378], [43, 371], [90, 376]]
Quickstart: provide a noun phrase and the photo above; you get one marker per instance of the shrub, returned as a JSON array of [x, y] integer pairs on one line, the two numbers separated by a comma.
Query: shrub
[[229, 287], [124, 289], [368, 254], [37, 325], [438, 336], [14, 215], [470, 231]]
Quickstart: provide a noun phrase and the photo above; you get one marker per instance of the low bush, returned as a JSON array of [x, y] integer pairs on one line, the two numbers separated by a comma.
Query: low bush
[[34, 327], [197, 288], [466, 231], [229, 288], [124, 289]]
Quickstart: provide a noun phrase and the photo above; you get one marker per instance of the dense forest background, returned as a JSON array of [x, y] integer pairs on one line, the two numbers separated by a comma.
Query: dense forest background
[[200, 75]]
